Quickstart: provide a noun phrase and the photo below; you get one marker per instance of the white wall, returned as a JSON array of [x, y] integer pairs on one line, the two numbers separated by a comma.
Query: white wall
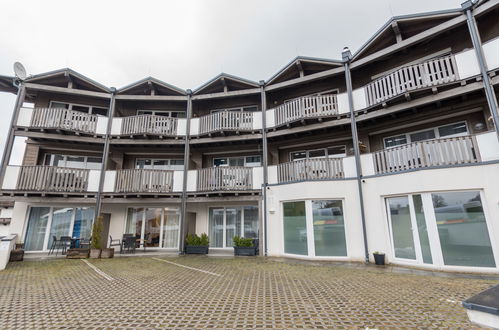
[[24, 119], [194, 128], [109, 181], [257, 177], [359, 98], [181, 126], [10, 178], [257, 120], [178, 181], [343, 103], [116, 126], [491, 53], [192, 176], [270, 118], [101, 127], [488, 146], [467, 64], [93, 180]]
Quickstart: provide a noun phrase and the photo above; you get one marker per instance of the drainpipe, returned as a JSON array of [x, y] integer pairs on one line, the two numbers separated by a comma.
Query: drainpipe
[[347, 56], [105, 152], [265, 162], [7, 151], [183, 208], [477, 45]]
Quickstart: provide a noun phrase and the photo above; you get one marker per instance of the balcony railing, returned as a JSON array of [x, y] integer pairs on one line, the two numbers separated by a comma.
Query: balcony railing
[[149, 124], [226, 121], [310, 169], [306, 107], [52, 179], [224, 178], [60, 118], [429, 73], [437, 152], [143, 181]]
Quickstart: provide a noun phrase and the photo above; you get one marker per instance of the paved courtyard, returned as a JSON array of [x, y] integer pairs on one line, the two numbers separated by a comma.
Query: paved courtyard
[[157, 292]]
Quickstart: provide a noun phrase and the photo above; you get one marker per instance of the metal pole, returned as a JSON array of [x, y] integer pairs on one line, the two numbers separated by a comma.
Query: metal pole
[[477, 45], [105, 153], [346, 60], [265, 162], [7, 151], [183, 208]]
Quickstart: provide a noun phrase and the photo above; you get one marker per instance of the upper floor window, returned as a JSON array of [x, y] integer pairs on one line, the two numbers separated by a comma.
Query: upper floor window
[[249, 108], [332, 152], [159, 164], [246, 161], [90, 109], [450, 130], [72, 161], [164, 113]]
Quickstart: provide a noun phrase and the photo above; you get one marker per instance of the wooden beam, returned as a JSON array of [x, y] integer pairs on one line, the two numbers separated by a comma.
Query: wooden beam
[[152, 97], [244, 137], [250, 91], [306, 79], [64, 90], [396, 30], [300, 68], [50, 136]]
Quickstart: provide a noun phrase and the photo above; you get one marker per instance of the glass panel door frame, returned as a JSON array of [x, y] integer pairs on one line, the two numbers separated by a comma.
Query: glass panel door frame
[[224, 234], [432, 230], [309, 222]]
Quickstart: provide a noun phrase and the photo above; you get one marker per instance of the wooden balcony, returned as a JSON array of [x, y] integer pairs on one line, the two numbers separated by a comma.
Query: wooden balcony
[[149, 125], [305, 108], [225, 178], [63, 119], [52, 179], [226, 121], [437, 152], [144, 181], [310, 169], [427, 74]]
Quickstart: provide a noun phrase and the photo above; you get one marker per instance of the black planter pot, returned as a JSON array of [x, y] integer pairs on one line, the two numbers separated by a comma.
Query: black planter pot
[[196, 249], [379, 259], [244, 251]]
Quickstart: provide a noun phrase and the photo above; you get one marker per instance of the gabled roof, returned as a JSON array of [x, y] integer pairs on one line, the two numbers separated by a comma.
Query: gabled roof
[[62, 77], [407, 26], [7, 84], [225, 82], [149, 84], [302, 66]]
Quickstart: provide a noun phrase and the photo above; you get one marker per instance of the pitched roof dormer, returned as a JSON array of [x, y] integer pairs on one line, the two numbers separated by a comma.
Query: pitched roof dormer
[[302, 66], [225, 83], [151, 86], [67, 78]]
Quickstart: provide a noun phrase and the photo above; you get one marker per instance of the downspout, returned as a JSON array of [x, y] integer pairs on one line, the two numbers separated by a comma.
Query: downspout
[[265, 162], [105, 153], [477, 45], [7, 151], [347, 56], [183, 208]]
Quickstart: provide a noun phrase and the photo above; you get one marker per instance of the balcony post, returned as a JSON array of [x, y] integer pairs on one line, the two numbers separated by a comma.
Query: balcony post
[[347, 56], [265, 163], [183, 207], [105, 153], [477, 45], [9, 143]]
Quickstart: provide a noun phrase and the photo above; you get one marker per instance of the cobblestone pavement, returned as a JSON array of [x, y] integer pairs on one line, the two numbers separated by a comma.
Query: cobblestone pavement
[[146, 292]]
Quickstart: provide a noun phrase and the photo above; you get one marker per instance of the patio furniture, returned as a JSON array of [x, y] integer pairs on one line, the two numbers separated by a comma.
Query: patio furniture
[[75, 243], [85, 243], [65, 243], [114, 242], [128, 244], [146, 240]]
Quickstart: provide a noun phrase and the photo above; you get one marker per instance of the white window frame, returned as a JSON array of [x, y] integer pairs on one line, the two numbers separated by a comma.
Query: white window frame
[[70, 106], [51, 155], [309, 222], [155, 112], [224, 236], [154, 159], [233, 157], [307, 152], [237, 109], [435, 130]]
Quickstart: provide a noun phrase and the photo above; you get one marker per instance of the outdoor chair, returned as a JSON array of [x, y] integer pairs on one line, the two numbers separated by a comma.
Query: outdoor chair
[[85, 243], [128, 244], [54, 245], [65, 243], [114, 242]]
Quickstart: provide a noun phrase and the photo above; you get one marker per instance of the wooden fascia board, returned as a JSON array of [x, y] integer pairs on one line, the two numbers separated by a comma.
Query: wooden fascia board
[[64, 90]]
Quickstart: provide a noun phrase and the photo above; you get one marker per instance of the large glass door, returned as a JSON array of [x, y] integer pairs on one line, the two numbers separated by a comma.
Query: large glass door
[[171, 230], [227, 222], [402, 228]]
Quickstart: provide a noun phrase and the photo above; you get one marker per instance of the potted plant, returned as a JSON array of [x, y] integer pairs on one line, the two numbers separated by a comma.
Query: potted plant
[[195, 244], [96, 244], [17, 254], [379, 258], [244, 246]]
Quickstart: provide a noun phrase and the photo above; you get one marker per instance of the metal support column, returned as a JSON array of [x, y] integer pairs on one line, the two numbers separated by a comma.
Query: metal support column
[[477, 45], [9, 143], [347, 55], [265, 163], [105, 153], [183, 208]]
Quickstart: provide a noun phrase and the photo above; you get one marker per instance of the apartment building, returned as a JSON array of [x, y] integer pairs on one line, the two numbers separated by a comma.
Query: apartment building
[[392, 149]]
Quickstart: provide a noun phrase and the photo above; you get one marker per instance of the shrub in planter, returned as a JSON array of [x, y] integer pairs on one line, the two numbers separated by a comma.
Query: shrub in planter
[[77, 253], [379, 258], [96, 244], [244, 246], [195, 244]]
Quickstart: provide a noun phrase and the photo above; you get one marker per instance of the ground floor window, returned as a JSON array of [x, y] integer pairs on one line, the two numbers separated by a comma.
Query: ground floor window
[[157, 227], [44, 223], [444, 228], [314, 228], [227, 222]]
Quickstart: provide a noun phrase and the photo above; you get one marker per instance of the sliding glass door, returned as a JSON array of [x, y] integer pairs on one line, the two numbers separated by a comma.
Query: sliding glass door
[[443, 229], [157, 227], [226, 222], [45, 223]]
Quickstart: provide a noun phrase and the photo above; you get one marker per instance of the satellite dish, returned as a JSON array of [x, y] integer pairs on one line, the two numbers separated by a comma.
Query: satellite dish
[[20, 71]]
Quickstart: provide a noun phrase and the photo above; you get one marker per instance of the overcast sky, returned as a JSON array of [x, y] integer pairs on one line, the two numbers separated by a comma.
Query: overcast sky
[[184, 42]]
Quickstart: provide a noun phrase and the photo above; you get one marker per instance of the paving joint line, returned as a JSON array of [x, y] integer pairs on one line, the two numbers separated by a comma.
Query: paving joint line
[[192, 268], [98, 271]]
